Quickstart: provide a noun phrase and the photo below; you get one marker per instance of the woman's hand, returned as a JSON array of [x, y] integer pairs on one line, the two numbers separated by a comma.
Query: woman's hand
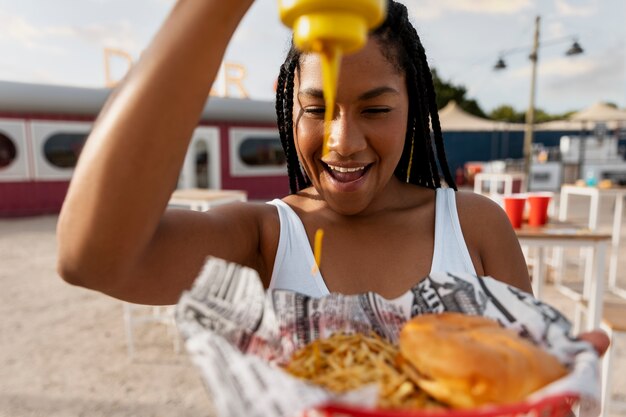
[[598, 339]]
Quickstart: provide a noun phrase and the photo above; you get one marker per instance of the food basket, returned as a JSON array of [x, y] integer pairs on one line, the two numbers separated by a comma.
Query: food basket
[[552, 406], [238, 334]]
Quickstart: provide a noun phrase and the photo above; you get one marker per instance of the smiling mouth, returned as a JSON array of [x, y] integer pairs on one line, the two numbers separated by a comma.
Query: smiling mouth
[[346, 174]]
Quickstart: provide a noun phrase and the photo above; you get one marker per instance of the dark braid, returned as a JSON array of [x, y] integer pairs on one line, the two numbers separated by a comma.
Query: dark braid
[[399, 37], [402, 47], [284, 112], [428, 165], [434, 114], [280, 119]]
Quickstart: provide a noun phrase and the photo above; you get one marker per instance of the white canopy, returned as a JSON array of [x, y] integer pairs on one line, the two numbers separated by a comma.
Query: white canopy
[[558, 125], [454, 118], [600, 112]]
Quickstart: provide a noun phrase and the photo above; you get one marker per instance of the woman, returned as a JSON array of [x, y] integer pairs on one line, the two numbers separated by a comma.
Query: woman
[[376, 192]]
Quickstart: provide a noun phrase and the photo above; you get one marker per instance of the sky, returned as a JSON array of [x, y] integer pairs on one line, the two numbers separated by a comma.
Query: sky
[[63, 42]]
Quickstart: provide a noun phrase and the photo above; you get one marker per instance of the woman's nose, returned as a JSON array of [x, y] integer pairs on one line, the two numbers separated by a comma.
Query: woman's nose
[[345, 137]]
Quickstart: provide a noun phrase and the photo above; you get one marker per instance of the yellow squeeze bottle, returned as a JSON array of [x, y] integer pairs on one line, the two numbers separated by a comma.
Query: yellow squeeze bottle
[[330, 28]]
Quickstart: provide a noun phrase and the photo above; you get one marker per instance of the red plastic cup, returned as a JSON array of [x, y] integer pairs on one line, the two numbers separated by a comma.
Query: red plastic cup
[[514, 207], [538, 213]]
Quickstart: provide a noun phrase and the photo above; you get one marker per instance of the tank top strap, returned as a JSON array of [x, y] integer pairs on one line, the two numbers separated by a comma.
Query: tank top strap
[[450, 252], [294, 264]]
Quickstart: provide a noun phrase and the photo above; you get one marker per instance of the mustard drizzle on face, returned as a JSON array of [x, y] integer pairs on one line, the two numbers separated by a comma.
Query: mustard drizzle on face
[[331, 59]]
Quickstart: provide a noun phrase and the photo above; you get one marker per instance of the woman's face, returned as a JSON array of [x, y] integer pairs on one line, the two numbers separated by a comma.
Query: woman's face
[[367, 133]]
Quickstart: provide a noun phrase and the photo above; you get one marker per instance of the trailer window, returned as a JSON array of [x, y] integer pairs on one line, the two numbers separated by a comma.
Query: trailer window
[[202, 164], [256, 152], [8, 151], [62, 149], [262, 151]]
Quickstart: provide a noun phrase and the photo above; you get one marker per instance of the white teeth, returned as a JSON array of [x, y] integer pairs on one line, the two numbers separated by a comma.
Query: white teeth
[[342, 169]]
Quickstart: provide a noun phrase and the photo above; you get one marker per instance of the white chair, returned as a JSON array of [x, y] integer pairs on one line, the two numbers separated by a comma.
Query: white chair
[[614, 323], [499, 183]]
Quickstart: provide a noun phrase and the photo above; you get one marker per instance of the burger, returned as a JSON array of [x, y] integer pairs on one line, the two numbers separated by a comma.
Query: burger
[[469, 361]]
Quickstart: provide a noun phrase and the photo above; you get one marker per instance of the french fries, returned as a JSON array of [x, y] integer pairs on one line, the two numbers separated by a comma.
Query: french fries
[[345, 362]]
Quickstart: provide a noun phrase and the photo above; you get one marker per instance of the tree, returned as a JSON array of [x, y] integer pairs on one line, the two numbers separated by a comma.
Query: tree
[[507, 113], [446, 91], [542, 116]]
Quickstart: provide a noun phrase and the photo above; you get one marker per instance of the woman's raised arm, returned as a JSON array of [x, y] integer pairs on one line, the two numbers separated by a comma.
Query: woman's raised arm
[[112, 221]]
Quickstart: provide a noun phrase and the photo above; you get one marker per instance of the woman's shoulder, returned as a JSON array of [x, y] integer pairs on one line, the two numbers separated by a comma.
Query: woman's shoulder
[[246, 218], [480, 216], [491, 238], [476, 204], [256, 210], [253, 225], [304, 201]]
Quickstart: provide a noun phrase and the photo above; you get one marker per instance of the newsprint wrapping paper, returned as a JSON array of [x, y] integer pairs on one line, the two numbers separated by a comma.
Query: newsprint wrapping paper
[[238, 334]]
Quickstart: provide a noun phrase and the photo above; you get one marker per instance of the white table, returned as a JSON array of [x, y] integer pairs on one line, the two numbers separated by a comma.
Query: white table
[[495, 179], [200, 199], [541, 238], [595, 194]]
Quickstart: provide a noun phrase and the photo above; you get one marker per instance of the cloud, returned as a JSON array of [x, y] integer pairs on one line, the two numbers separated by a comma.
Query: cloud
[[557, 67], [589, 78], [431, 9], [487, 6], [569, 67], [599, 75], [18, 29], [16, 72], [114, 34], [564, 8], [425, 10], [555, 29]]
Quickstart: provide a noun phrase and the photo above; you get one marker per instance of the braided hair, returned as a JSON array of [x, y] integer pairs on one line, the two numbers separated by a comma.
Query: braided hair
[[423, 152]]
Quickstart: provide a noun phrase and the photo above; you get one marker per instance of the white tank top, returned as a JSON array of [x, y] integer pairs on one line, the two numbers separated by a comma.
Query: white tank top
[[294, 266]]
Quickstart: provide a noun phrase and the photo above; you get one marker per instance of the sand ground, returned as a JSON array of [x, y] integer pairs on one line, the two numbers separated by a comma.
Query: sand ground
[[63, 350]]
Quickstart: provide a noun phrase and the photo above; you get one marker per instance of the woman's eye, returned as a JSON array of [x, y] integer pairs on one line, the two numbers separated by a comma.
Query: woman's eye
[[315, 110], [377, 110]]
